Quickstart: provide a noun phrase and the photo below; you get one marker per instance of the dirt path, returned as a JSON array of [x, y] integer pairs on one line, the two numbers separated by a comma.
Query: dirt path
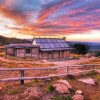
[[45, 72], [58, 63], [72, 62]]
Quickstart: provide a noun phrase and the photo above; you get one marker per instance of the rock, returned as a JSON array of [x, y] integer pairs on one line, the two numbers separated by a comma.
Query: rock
[[79, 92], [89, 81], [44, 61], [65, 82], [78, 97], [51, 75], [88, 55], [61, 88], [1, 88]]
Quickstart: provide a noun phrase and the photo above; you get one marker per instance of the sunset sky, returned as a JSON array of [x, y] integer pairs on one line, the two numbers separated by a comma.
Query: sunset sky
[[78, 20]]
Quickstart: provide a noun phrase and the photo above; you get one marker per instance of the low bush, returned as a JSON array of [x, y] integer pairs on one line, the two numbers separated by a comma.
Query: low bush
[[70, 76], [62, 97], [72, 90], [97, 78], [50, 88], [12, 91], [91, 73]]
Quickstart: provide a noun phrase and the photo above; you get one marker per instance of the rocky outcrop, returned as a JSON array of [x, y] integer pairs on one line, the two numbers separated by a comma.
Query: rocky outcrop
[[64, 87], [78, 97], [61, 88], [1, 88], [65, 82], [88, 81], [78, 92]]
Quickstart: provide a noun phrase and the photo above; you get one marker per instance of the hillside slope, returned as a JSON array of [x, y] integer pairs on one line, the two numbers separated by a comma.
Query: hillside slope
[[5, 40]]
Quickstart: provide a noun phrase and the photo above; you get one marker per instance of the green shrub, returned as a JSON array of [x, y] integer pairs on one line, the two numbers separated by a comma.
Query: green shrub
[[33, 98], [72, 90], [62, 97], [12, 91], [50, 88], [70, 76], [91, 73], [97, 78]]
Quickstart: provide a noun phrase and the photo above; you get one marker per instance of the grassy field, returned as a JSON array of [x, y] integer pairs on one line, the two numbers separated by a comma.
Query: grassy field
[[13, 90]]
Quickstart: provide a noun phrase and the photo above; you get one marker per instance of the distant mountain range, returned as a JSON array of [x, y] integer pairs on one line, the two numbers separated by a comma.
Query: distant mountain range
[[93, 46], [86, 43], [5, 40]]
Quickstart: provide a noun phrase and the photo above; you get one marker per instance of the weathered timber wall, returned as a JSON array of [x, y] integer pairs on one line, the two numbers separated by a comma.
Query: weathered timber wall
[[56, 54], [20, 52], [10, 51], [35, 52]]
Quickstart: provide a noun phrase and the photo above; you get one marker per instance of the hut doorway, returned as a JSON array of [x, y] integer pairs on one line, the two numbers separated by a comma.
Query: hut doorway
[[50, 55]]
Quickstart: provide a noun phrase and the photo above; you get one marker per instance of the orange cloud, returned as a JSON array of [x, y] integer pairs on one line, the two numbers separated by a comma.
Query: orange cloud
[[18, 18]]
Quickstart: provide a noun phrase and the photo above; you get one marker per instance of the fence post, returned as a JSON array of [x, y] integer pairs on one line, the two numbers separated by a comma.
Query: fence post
[[22, 75], [93, 67], [67, 70]]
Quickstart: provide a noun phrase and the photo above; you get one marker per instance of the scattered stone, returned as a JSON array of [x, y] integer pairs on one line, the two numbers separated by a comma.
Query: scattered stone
[[78, 97], [51, 75], [88, 55], [88, 81], [1, 88], [61, 88], [65, 82], [49, 79], [79, 92], [44, 61]]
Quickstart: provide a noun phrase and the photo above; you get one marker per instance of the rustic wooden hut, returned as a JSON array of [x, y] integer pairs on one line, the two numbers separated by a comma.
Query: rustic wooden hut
[[41, 48]]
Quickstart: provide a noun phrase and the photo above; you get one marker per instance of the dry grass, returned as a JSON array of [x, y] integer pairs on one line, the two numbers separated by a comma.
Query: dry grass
[[11, 62], [90, 92], [2, 54], [13, 88], [93, 61]]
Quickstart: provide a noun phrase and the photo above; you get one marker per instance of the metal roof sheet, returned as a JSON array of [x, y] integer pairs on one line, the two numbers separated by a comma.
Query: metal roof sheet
[[45, 44], [51, 44]]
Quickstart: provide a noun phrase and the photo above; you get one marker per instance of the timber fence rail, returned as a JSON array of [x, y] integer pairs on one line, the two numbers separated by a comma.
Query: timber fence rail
[[22, 77]]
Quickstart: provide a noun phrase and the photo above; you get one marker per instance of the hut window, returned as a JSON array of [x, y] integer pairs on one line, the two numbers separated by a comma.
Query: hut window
[[50, 52], [28, 50]]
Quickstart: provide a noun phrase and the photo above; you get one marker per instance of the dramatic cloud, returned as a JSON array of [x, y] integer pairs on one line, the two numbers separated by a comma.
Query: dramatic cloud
[[50, 17]]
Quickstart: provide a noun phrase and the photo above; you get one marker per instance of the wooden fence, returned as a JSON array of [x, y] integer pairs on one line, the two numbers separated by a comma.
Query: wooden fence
[[22, 77]]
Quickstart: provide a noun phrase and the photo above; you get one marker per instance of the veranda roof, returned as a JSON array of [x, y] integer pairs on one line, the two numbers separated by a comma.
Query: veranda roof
[[20, 45]]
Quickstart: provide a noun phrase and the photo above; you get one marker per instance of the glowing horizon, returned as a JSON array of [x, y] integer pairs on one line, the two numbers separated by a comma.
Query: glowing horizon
[[86, 37]]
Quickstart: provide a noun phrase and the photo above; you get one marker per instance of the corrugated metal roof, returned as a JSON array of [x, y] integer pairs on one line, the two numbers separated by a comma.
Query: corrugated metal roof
[[45, 44], [48, 44]]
